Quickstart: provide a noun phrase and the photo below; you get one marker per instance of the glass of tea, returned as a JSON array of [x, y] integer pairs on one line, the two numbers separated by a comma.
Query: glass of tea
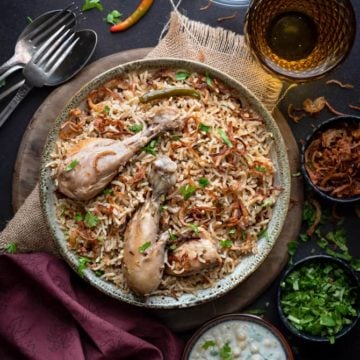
[[300, 40]]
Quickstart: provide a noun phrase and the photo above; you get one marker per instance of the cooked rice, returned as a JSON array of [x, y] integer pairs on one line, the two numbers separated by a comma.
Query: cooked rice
[[236, 205]]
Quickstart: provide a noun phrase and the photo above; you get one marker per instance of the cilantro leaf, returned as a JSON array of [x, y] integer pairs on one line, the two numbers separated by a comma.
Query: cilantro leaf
[[207, 344], [260, 168], [172, 236], [11, 248], [151, 147], [204, 128], [135, 128], [91, 220], [225, 353], [225, 138], [113, 17], [108, 191], [78, 217], [106, 110], [181, 75], [208, 79], [29, 19], [194, 228], [72, 165], [203, 182], [83, 261], [226, 244], [92, 4], [144, 247], [232, 231], [187, 191], [264, 233]]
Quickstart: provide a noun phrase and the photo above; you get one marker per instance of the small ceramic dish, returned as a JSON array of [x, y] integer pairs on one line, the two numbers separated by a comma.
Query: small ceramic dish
[[237, 336], [333, 123], [323, 259]]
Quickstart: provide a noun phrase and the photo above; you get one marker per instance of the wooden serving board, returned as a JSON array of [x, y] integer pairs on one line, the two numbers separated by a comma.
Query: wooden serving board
[[27, 172]]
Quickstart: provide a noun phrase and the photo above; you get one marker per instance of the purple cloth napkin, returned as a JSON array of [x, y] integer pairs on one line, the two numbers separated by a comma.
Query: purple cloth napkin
[[47, 313]]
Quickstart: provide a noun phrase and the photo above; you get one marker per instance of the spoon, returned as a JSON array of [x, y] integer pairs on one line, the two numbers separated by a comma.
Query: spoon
[[35, 34], [74, 62]]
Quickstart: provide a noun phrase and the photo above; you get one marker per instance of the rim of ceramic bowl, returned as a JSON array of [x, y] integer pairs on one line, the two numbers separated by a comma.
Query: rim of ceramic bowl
[[248, 264], [240, 317], [321, 258], [327, 124]]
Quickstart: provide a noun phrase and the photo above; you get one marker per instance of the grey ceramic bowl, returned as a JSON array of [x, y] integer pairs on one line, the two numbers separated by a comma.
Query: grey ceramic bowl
[[248, 264]]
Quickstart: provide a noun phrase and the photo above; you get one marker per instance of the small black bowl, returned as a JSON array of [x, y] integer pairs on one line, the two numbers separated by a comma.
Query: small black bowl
[[328, 124], [325, 259]]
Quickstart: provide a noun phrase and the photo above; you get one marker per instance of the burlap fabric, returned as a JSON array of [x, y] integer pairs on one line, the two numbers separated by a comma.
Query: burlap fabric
[[185, 39]]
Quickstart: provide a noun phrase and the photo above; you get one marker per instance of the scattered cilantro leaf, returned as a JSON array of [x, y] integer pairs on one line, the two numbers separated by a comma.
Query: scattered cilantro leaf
[[78, 217], [208, 79], [72, 165], [106, 110], [181, 75], [108, 191], [194, 228], [172, 236], [99, 272], [225, 352], [225, 138], [92, 4], [204, 128], [187, 191], [11, 248], [113, 17], [260, 168], [304, 237], [83, 261], [144, 247], [264, 233], [151, 147], [308, 213], [292, 247], [90, 220], [203, 182], [258, 312], [226, 244], [266, 203], [29, 19], [135, 128], [208, 344]]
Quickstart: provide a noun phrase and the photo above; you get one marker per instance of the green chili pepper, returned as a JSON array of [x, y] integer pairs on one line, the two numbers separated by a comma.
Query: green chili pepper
[[170, 92]]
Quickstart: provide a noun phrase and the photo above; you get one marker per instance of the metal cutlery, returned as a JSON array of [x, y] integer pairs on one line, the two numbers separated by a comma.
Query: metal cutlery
[[46, 60], [35, 34]]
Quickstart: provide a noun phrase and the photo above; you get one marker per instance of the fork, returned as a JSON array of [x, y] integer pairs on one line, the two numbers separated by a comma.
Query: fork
[[43, 64], [34, 35]]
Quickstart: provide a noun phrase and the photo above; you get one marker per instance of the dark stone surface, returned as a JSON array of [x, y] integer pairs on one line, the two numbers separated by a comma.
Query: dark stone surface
[[146, 33]]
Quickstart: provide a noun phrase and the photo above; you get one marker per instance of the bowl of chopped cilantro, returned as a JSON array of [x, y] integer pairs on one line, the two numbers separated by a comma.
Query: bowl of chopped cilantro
[[319, 299]]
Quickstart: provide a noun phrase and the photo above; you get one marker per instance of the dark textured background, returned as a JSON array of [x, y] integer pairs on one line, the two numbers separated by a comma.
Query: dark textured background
[[146, 33]]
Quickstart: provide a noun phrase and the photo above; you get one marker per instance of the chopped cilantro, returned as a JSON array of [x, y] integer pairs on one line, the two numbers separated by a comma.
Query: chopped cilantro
[[11, 248], [232, 231], [72, 165], [187, 191], [203, 182], [208, 79], [226, 244], [136, 128], [304, 237], [225, 353], [260, 168], [225, 138], [204, 128], [113, 17], [90, 220], [92, 4], [172, 236], [106, 110], [292, 247], [266, 203], [99, 272], [263, 233], [151, 147], [83, 261], [108, 191], [144, 247], [194, 228], [163, 207], [182, 75], [319, 299], [78, 217], [29, 19], [208, 344]]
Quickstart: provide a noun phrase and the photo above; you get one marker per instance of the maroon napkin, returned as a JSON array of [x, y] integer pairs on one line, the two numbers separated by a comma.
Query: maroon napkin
[[47, 313]]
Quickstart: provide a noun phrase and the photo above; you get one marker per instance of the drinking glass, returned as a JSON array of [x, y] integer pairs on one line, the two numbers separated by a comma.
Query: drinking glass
[[300, 40]]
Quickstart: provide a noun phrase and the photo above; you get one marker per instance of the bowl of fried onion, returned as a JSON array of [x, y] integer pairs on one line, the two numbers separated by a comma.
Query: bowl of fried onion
[[330, 159]]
